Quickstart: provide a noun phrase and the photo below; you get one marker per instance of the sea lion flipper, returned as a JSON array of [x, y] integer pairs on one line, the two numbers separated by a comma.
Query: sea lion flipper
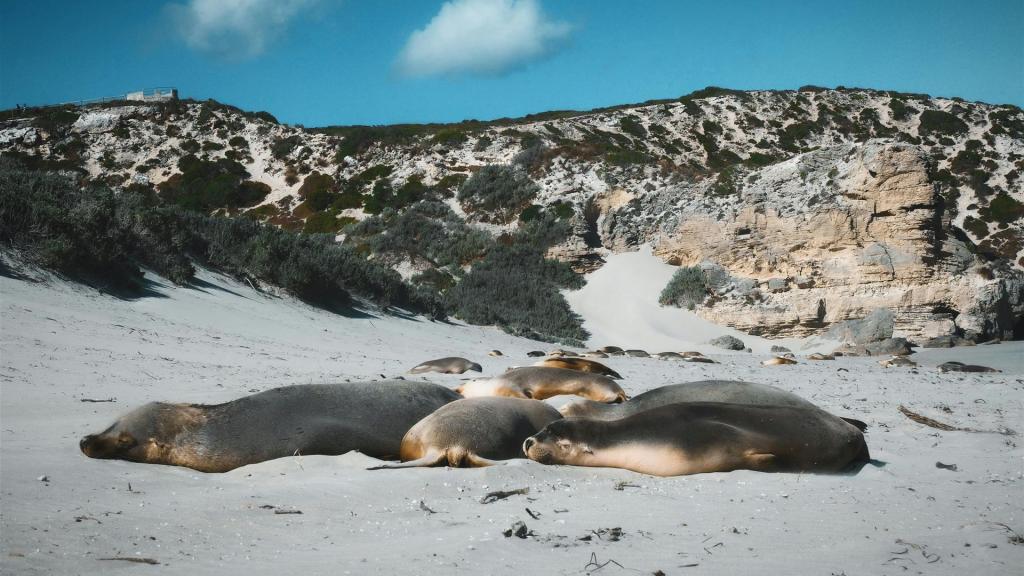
[[760, 460], [862, 426], [431, 459], [475, 461]]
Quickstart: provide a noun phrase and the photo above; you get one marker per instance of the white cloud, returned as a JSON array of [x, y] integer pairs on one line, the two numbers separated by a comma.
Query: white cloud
[[481, 37], [234, 28]]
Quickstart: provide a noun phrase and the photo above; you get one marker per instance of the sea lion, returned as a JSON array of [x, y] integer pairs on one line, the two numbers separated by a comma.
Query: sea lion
[[700, 359], [778, 361], [580, 365], [696, 437], [495, 353], [668, 355], [637, 353], [898, 361], [540, 382], [820, 356], [731, 391], [449, 365], [610, 350], [535, 354], [594, 354], [691, 354], [474, 432], [560, 353], [328, 419], [953, 366]]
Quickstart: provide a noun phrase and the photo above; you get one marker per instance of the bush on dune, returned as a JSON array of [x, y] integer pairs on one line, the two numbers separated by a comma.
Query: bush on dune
[[103, 237]]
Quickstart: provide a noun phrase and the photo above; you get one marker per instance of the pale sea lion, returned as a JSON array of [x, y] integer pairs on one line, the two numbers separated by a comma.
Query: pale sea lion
[[474, 432], [898, 361], [820, 356], [327, 419], [953, 366], [535, 353], [669, 355], [700, 359], [731, 391], [594, 354], [558, 352], [449, 365], [697, 437], [495, 353], [580, 365], [539, 382], [637, 353], [610, 350], [778, 361], [691, 354]]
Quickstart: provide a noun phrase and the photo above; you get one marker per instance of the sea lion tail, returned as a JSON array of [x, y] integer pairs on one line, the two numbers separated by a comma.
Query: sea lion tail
[[431, 459]]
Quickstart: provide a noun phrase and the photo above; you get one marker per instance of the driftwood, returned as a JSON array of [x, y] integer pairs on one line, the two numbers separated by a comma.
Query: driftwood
[[502, 494], [933, 423]]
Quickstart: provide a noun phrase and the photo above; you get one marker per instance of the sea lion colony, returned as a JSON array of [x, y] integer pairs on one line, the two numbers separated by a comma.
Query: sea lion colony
[[688, 428]]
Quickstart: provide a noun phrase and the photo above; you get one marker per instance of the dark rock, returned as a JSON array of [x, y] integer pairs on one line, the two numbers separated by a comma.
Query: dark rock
[[947, 341], [728, 343], [953, 366], [874, 327]]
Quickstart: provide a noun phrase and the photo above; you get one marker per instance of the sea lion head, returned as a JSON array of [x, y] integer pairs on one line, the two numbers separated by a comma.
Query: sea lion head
[[142, 435], [561, 442]]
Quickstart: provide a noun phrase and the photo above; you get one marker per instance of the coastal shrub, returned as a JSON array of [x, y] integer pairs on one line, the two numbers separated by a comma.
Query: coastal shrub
[[99, 236], [687, 288], [941, 123], [497, 193], [318, 191], [631, 125]]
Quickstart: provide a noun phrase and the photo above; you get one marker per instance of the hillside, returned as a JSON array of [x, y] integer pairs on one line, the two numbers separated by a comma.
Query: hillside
[[802, 208]]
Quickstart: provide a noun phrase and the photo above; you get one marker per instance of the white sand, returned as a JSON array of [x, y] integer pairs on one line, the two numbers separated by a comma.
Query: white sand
[[61, 344], [620, 307]]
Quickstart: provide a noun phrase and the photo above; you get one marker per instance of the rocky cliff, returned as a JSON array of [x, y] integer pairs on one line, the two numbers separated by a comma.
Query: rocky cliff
[[807, 207]]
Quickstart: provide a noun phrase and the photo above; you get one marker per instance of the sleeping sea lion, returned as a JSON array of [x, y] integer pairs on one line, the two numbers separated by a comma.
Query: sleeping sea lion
[[327, 419], [580, 365], [820, 356], [953, 366], [535, 353], [474, 432], [539, 382], [668, 355], [778, 361], [731, 391], [637, 353], [898, 361], [449, 365], [696, 437]]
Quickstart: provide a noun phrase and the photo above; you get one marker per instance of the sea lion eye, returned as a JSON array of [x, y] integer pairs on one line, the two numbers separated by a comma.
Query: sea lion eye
[[563, 444], [125, 441]]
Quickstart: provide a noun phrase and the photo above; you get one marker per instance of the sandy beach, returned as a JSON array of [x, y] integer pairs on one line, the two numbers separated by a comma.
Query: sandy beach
[[74, 359]]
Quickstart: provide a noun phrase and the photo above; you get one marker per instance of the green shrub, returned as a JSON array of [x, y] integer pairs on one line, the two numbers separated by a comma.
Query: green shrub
[[318, 191], [322, 223], [190, 146], [1003, 208], [205, 185], [280, 148], [631, 125], [687, 288], [497, 193], [238, 142], [211, 146], [941, 123]]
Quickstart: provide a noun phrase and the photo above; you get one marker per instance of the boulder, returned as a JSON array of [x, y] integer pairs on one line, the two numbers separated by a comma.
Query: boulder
[[947, 341], [876, 326], [728, 343]]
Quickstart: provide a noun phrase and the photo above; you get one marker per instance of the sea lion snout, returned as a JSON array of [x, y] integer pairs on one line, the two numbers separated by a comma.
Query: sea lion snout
[[86, 444], [528, 444]]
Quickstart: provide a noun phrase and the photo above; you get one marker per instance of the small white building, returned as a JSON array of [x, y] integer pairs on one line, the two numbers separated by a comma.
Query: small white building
[[154, 95]]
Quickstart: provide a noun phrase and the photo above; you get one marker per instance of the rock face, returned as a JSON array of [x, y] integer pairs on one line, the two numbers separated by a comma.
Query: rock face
[[832, 235]]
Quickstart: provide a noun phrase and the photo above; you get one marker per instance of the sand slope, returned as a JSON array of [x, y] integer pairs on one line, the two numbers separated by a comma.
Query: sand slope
[[61, 344]]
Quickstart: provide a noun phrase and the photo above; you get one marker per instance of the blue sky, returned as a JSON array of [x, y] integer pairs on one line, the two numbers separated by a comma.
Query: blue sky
[[320, 62]]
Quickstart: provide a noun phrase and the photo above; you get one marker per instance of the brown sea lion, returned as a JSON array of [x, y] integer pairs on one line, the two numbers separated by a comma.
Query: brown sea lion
[[474, 432], [637, 353], [696, 437], [535, 353], [820, 356], [449, 365], [594, 354], [669, 355], [560, 353], [327, 419], [539, 382], [778, 361], [953, 366], [730, 391], [898, 362], [580, 365], [495, 353], [610, 350]]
